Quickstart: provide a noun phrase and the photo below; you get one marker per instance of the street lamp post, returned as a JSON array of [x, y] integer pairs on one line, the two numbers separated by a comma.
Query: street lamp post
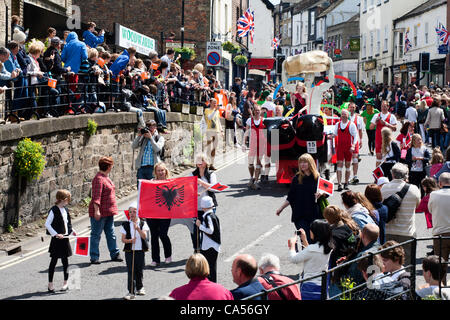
[[182, 23]]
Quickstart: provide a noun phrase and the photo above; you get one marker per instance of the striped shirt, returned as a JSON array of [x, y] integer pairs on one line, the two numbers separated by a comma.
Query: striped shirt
[[147, 157], [404, 222]]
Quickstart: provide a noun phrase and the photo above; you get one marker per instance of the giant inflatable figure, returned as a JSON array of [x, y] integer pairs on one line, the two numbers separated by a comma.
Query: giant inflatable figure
[[308, 64]]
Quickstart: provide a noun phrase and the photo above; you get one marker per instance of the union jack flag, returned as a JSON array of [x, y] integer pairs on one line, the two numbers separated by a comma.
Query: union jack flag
[[443, 34], [275, 43], [246, 24], [408, 44]]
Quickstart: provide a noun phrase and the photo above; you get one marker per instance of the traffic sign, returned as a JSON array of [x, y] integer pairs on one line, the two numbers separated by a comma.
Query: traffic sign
[[213, 59], [213, 54]]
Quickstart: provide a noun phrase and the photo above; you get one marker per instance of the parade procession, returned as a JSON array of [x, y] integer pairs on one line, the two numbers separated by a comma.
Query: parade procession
[[234, 151]]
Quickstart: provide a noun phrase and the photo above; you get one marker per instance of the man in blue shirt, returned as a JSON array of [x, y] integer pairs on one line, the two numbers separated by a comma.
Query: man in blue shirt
[[90, 38], [150, 145], [244, 270]]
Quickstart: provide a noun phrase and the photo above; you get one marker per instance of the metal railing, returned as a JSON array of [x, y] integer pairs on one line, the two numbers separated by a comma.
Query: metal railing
[[327, 273], [73, 97]]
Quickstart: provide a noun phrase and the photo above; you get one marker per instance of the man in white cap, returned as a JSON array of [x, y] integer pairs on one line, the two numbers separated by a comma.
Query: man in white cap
[[134, 236], [210, 236]]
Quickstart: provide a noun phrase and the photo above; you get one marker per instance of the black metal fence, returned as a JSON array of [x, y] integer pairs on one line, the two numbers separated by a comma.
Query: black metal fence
[[325, 275], [81, 93]]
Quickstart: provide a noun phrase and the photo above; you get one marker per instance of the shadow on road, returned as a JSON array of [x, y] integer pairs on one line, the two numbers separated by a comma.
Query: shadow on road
[[272, 189], [112, 270], [34, 295]]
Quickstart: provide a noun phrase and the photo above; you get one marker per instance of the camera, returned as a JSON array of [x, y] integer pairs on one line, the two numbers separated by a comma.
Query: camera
[[145, 130], [298, 233]]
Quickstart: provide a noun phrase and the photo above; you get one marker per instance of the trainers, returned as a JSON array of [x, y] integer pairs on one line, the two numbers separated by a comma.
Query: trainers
[[339, 189], [168, 260], [346, 186], [212, 168], [251, 182], [154, 264], [355, 181], [256, 186], [141, 292], [129, 296]]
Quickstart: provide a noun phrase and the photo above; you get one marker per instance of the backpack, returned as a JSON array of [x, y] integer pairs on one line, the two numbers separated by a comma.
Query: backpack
[[394, 202], [388, 290], [161, 153]]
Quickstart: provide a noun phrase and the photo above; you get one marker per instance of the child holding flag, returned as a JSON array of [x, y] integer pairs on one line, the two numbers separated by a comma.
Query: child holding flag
[[59, 226], [134, 236]]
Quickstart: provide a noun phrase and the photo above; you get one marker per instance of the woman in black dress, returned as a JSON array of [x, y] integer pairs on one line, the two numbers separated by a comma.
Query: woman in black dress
[[303, 196], [59, 226]]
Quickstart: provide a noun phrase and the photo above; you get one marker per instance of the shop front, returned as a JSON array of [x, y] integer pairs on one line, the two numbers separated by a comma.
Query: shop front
[[263, 64], [405, 74]]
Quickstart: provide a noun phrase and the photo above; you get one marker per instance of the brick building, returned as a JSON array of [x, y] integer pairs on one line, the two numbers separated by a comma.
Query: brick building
[[152, 18]]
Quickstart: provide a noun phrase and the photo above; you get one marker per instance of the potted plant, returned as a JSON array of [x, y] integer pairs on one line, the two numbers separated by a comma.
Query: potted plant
[[240, 60]]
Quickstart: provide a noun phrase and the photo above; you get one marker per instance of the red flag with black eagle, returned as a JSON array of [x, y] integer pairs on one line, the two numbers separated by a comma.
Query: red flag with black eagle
[[82, 246], [378, 173], [325, 186], [168, 199]]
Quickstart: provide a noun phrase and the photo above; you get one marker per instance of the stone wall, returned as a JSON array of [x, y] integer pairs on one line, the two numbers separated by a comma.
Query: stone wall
[[72, 157]]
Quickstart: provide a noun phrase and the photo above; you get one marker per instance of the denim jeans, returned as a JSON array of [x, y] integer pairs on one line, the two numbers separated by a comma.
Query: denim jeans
[[105, 224], [435, 138]]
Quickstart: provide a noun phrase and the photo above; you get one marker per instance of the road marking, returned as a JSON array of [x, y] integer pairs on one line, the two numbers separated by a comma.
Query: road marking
[[265, 235]]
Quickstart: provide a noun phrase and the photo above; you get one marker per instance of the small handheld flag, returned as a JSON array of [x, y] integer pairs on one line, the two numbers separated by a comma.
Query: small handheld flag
[[101, 62], [82, 246], [325, 186], [378, 173], [219, 187], [127, 214]]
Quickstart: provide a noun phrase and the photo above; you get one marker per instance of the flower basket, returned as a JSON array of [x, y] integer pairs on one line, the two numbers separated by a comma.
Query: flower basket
[[240, 60], [186, 53], [231, 47]]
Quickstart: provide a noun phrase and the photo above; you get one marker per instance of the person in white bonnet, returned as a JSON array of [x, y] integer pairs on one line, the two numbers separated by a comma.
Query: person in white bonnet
[[382, 181], [134, 236], [210, 236]]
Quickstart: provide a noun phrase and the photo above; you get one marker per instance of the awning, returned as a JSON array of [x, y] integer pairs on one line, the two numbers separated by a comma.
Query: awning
[[261, 63]]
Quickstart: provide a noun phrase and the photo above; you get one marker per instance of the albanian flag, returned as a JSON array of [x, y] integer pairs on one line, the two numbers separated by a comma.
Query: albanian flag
[[219, 187], [168, 199], [378, 173], [82, 246], [127, 214], [325, 186]]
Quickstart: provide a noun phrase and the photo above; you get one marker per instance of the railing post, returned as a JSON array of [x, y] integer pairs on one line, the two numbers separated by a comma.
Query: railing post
[[413, 269], [323, 293]]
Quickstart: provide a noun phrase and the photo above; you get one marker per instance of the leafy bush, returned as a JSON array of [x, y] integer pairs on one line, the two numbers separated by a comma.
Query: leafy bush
[[91, 127], [29, 159]]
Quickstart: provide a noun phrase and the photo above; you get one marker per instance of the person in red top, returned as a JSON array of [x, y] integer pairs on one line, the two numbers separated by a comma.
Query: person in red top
[[270, 277], [102, 209], [404, 138], [379, 121], [199, 287], [347, 134]]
